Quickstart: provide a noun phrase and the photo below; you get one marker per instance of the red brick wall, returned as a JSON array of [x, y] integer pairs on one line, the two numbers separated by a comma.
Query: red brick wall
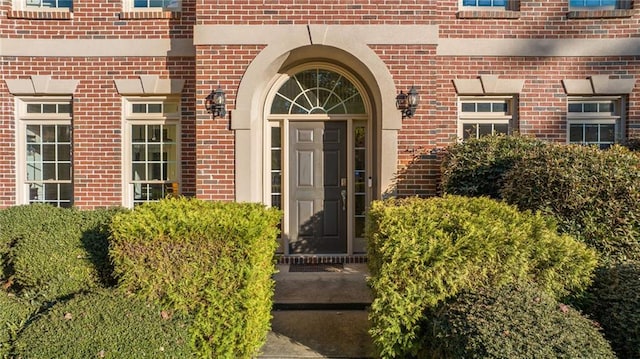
[[209, 144], [97, 121]]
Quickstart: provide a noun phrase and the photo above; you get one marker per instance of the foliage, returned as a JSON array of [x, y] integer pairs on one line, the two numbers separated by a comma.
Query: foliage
[[13, 316], [594, 194], [422, 252], [476, 167], [53, 252], [212, 260], [105, 324], [614, 301], [515, 321]]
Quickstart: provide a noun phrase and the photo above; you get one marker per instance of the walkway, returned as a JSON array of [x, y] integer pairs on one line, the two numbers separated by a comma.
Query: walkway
[[320, 314]]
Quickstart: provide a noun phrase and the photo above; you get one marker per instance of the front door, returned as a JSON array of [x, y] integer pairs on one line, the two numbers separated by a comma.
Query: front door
[[318, 187]]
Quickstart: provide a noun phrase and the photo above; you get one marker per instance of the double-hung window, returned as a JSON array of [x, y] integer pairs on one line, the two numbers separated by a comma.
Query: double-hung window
[[599, 4], [481, 116], [595, 121], [44, 150], [152, 149]]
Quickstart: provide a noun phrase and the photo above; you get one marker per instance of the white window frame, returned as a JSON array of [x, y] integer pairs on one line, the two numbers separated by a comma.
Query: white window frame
[[22, 120], [463, 7], [36, 5], [494, 118], [128, 5], [597, 118], [615, 6], [166, 119]]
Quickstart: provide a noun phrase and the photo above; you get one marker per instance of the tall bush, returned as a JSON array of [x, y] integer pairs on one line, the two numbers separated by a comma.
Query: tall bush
[[594, 194], [209, 259], [476, 167], [14, 313], [422, 252], [515, 321], [614, 301]]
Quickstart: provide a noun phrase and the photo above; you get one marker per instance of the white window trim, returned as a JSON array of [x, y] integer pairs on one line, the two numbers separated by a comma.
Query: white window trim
[[128, 6], [22, 119], [605, 118], [486, 117], [482, 8], [21, 5], [129, 119]]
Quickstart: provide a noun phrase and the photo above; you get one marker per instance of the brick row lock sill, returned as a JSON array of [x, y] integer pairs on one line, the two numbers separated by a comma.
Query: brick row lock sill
[[68, 15], [511, 14]]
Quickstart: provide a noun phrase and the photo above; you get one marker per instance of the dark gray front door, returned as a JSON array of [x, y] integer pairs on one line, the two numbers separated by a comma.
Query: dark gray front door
[[318, 187]]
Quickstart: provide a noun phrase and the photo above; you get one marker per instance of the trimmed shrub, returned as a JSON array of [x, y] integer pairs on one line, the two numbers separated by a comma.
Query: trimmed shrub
[[213, 260], [614, 301], [105, 324], [476, 167], [58, 252], [515, 321], [594, 194], [13, 315], [423, 251]]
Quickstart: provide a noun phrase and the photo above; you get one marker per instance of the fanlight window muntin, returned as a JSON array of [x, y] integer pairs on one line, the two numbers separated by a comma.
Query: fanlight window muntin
[[318, 91]]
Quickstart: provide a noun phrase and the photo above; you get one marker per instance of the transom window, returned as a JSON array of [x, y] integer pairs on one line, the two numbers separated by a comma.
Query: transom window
[[153, 149], [599, 4], [594, 121], [318, 91], [485, 116], [45, 151], [48, 4]]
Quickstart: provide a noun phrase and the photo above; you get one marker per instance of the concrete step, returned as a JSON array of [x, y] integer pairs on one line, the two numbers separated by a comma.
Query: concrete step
[[320, 314], [318, 334]]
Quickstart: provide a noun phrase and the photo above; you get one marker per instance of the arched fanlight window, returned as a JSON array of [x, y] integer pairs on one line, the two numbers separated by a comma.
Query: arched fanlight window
[[318, 91]]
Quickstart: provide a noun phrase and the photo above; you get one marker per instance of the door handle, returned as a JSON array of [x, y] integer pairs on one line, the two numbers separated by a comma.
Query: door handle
[[343, 193]]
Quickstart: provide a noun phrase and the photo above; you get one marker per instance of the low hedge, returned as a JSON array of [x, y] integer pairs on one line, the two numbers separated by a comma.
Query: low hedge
[[13, 315], [105, 324], [476, 167], [594, 194], [57, 252], [209, 259], [515, 321], [614, 301], [423, 251]]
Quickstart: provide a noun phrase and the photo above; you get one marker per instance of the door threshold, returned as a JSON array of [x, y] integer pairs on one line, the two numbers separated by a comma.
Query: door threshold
[[319, 259]]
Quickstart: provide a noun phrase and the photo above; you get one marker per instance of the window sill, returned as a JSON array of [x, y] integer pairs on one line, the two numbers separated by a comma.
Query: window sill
[[40, 14], [471, 14], [145, 15], [600, 14]]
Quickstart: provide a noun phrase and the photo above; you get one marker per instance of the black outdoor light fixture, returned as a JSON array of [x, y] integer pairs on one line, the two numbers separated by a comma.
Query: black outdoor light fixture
[[407, 103], [216, 103]]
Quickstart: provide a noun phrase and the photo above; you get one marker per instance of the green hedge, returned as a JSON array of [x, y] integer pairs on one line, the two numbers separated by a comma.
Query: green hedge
[[594, 194], [105, 324], [424, 251], [476, 167], [614, 301], [515, 321], [212, 260], [14, 312], [53, 252]]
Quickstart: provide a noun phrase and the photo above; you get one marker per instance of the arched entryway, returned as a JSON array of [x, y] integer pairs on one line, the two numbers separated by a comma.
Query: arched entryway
[[317, 159]]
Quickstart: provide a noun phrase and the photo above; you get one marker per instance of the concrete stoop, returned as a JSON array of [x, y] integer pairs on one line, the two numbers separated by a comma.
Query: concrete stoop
[[320, 315]]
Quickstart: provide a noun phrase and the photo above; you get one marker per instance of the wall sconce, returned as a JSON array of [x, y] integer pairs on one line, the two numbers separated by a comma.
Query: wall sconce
[[407, 103], [216, 103]]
